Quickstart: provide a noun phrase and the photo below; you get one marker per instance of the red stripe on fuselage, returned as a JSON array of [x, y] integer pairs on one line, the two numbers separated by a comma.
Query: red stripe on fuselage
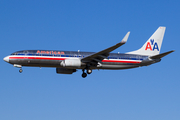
[[120, 61], [37, 58]]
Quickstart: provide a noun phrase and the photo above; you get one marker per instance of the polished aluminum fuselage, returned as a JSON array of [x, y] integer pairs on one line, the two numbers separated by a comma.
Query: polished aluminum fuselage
[[37, 58]]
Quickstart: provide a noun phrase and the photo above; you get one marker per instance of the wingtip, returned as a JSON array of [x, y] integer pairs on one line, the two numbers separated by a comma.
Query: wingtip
[[171, 51], [124, 40]]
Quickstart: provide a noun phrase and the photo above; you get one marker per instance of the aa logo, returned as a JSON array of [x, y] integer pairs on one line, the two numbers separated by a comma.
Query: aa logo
[[152, 45]]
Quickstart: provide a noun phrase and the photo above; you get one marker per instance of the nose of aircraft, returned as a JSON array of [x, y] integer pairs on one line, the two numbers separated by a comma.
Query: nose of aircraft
[[6, 59]]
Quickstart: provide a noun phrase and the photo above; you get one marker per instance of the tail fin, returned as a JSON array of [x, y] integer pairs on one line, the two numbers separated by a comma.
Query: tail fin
[[153, 44]]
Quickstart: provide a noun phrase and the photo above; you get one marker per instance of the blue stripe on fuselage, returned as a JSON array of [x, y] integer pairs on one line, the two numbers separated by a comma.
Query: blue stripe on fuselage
[[78, 54]]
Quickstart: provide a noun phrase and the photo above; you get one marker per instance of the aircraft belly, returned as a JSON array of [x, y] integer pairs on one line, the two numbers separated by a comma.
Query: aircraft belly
[[106, 66], [118, 65], [33, 62]]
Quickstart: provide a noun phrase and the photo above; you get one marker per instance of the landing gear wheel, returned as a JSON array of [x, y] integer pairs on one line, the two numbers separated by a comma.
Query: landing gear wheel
[[20, 70], [84, 75], [89, 71]]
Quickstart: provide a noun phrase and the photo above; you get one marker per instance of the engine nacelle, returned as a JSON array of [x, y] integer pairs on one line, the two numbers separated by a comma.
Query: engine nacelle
[[65, 71], [75, 62]]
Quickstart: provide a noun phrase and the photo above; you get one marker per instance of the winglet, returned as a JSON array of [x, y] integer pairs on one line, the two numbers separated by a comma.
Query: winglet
[[124, 40]]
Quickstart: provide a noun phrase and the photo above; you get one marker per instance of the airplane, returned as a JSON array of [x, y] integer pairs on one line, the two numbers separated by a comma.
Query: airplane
[[67, 62]]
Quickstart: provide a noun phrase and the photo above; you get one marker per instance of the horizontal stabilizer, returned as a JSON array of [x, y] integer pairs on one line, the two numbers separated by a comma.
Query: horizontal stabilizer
[[161, 55]]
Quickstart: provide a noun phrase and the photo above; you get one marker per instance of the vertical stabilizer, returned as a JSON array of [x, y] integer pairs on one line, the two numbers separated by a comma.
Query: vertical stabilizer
[[153, 44]]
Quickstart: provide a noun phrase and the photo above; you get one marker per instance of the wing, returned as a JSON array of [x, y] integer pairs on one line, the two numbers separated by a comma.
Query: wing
[[99, 56]]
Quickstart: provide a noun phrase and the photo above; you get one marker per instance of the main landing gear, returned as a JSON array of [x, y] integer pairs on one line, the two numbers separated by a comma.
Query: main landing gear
[[84, 74], [89, 71]]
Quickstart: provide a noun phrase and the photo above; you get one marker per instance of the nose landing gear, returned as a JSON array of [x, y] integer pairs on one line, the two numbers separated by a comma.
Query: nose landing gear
[[20, 70], [19, 66]]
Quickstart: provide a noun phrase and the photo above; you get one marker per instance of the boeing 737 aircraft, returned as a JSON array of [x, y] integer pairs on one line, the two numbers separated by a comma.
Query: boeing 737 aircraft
[[67, 62]]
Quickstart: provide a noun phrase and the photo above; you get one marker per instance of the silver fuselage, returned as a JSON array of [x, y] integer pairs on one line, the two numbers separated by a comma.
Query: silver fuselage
[[49, 58]]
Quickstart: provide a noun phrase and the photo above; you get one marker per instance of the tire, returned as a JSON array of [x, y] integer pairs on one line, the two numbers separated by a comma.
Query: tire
[[20, 70], [84, 75], [89, 71]]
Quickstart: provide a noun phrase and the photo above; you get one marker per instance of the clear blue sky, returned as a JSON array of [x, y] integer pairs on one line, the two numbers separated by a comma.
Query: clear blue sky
[[146, 93]]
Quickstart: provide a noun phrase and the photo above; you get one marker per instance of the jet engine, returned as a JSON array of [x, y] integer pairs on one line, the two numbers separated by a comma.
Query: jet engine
[[65, 71], [71, 63]]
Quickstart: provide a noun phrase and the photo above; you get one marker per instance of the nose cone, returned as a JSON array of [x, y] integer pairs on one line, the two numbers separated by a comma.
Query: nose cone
[[6, 59]]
